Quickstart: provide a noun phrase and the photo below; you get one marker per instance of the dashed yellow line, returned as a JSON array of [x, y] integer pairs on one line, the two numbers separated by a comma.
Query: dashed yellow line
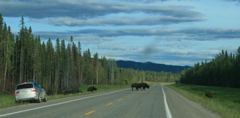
[[119, 99], [89, 112], [109, 104], [105, 105]]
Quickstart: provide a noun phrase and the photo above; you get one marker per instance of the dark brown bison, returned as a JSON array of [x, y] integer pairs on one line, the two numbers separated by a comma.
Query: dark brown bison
[[139, 86], [209, 95], [136, 85], [92, 88], [144, 85]]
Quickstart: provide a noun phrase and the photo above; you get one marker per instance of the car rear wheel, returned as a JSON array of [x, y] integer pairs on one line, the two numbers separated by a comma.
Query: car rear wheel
[[38, 100], [45, 99]]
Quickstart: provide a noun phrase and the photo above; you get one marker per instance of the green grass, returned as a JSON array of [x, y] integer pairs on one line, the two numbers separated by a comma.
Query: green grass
[[103, 87], [8, 100], [160, 83], [83, 88], [225, 101]]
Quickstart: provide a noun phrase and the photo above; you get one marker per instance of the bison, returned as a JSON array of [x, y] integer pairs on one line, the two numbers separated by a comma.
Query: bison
[[136, 85], [209, 95], [92, 88], [139, 86], [144, 85]]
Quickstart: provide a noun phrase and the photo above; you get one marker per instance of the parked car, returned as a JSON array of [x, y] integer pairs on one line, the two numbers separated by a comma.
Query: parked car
[[30, 91]]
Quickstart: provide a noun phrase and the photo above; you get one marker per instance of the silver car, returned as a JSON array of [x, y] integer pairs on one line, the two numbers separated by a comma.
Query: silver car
[[30, 91]]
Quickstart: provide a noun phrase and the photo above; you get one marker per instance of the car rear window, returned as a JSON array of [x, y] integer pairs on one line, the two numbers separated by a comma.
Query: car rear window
[[23, 86]]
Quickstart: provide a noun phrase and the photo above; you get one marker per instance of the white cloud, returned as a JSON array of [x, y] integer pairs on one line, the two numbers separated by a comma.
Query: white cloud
[[162, 20]]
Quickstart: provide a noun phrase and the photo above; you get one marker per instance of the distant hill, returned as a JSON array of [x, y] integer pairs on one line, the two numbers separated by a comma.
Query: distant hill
[[149, 66]]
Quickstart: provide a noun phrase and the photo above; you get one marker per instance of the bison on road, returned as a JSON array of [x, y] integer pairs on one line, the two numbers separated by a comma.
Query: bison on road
[[139, 86], [92, 88], [144, 85], [136, 85]]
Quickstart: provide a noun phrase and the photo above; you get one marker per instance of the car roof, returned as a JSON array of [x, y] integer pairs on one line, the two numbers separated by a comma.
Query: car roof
[[26, 83]]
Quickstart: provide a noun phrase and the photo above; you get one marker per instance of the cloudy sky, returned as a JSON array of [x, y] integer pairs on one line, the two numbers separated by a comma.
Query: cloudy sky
[[173, 32]]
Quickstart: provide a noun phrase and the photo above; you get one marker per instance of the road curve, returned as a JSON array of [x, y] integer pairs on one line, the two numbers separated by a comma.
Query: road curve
[[156, 102]]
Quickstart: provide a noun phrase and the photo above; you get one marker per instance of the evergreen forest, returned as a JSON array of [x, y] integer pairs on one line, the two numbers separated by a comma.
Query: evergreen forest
[[63, 66], [223, 71]]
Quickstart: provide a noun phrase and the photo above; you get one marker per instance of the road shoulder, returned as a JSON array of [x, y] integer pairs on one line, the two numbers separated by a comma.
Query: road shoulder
[[185, 108]]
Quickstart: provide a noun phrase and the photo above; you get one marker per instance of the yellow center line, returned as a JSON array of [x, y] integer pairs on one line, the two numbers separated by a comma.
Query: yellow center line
[[89, 112], [109, 104], [119, 99]]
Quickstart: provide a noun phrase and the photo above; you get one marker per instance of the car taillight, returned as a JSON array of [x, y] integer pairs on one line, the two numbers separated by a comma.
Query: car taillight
[[15, 93], [33, 90]]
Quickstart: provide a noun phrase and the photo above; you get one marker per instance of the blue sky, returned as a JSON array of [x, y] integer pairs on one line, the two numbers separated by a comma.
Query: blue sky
[[173, 32]]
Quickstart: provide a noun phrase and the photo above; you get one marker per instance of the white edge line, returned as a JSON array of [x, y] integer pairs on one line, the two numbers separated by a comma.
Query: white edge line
[[58, 103], [169, 115]]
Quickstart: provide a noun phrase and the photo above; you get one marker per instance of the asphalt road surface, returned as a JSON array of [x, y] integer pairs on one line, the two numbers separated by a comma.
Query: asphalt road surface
[[156, 102]]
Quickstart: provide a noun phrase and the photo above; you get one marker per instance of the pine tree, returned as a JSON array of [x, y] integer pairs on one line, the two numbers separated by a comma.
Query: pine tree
[[49, 67], [63, 56], [96, 66], [22, 37], [57, 66], [79, 63], [7, 44]]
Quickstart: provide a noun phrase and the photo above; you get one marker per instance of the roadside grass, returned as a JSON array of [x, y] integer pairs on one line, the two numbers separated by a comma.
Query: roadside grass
[[159, 83], [225, 101], [8, 100], [103, 87], [84, 88]]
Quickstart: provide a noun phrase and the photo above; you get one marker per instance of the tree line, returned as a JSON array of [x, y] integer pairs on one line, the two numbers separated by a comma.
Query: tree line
[[223, 70], [63, 66]]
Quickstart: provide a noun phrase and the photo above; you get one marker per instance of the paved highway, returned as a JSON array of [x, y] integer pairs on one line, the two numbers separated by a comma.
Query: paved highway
[[156, 102]]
